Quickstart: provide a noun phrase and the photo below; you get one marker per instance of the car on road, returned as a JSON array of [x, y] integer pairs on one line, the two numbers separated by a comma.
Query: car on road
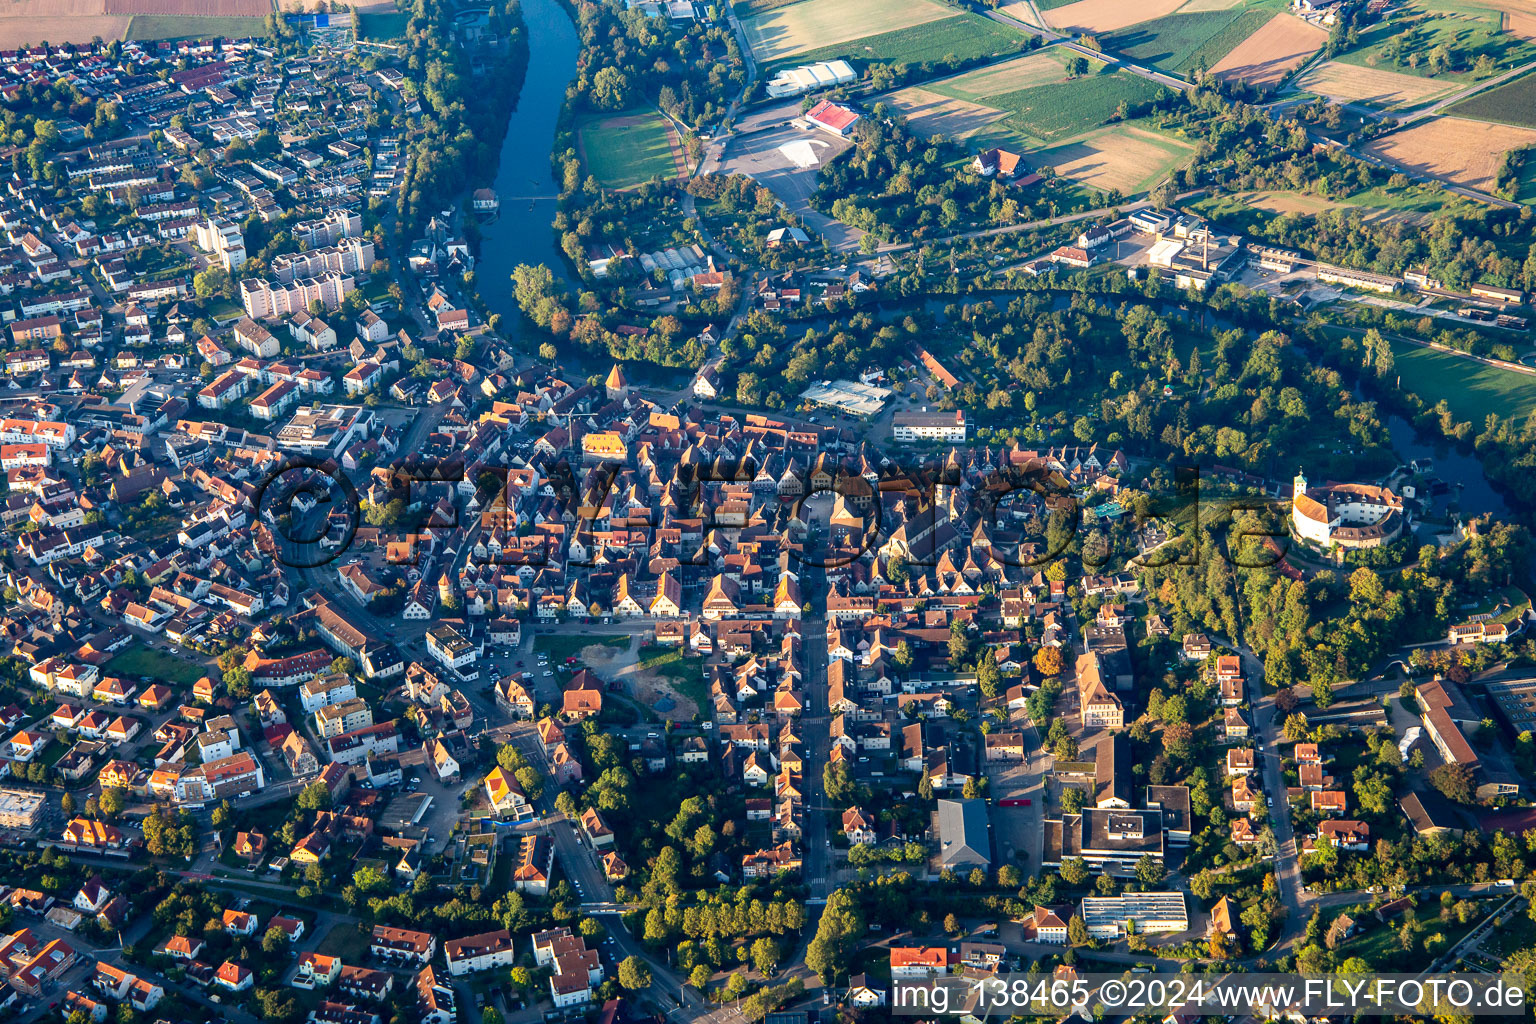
[[548, 674]]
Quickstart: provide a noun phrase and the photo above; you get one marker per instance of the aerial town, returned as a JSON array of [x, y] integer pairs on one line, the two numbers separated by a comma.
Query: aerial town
[[660, 511]]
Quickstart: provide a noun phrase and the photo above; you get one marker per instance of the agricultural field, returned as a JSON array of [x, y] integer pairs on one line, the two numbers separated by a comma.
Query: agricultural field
[[1274, 51], [1351, 83], [630, 149], [193, 8], [181, 26], [1044, 106], [1122, 157], [961, 37], [1041, 68], [1180, 42], [58, 21], [383, 25], [1459, 150], [1099, 16], [1448, 40], [929, 113], [816, 24], [1510, 103], [1247, 211], [1473, 389]]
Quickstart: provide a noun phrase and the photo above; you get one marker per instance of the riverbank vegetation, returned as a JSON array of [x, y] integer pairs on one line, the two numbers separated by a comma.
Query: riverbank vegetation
[[466, 99]]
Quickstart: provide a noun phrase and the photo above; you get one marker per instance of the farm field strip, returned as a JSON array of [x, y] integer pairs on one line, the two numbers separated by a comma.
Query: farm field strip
[[1511, 103], [1010, 76], [964, 36], [815, 24], [1125, 158], [1353, 83], [1179, 42], [1107, 15], [1460, 150], [930, 113], [1274, 51]]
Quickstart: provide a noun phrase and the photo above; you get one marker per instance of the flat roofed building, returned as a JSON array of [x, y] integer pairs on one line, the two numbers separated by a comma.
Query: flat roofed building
[[847, 396], [1109, 917], [20, 808]]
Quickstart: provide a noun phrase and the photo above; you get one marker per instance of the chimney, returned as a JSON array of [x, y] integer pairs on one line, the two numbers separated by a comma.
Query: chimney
[[1205, 254]]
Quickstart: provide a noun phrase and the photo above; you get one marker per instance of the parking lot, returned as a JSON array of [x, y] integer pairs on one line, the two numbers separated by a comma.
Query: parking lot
[[786, 160]]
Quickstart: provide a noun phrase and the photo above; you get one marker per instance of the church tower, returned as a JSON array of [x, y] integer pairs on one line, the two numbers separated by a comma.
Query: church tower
[[1298, 486]]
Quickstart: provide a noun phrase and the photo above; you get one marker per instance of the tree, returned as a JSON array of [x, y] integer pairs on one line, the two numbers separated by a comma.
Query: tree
[[369, 879], [274, 941], [1455, 782], [1074, 871], [1148, 871], [313, 797], [988, 675], [634, 975], [67, 805], [699, 977], [610, 89], [839, 930], [1049, 661], [765, 956], [111, 801], [1077, 931]]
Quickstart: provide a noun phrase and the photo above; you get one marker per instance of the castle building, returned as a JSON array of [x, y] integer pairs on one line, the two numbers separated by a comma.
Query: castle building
[[1349, 515]]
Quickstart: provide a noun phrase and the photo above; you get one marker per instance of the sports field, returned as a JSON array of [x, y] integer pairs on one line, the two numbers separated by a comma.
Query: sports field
[[962, 37], [1472, 389], [1274, 51], [1462, 151], [815, 24], [1180, 42], [630, 149], [1510, 103], [1388, 90], [1406, 40], [1122, 157]]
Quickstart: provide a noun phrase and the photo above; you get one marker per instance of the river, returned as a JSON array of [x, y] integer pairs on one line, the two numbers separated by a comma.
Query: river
[[1470, 487], [523, 231]]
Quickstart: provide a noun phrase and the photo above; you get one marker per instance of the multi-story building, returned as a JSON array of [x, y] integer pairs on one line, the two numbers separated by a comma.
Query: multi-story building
[[222, 239], [267, 299]]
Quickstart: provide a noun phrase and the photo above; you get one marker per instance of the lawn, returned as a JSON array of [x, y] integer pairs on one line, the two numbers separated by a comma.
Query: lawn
[[386, 25], [963, 37], [1052, 113], [560, 646], [180, 26], [1180, 42], [347, 941], [1403, 41], [142, 661], [1510, 103], [629, 149], [1473, 389], [684, 673]]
